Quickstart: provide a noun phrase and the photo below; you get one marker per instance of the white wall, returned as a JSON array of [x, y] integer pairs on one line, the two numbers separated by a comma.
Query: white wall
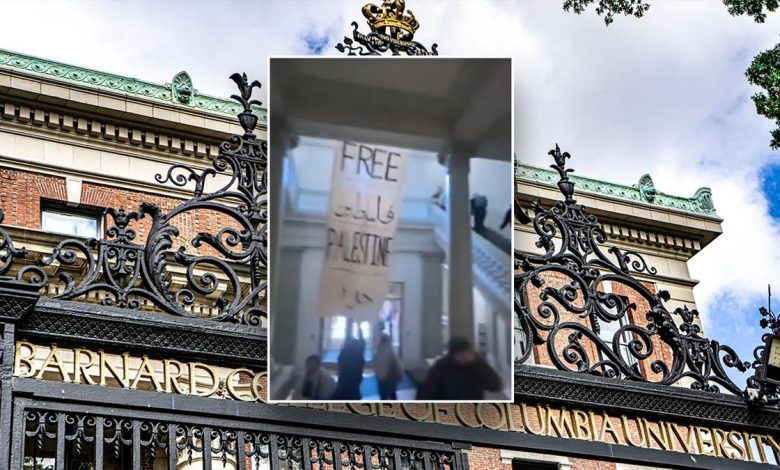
[[496, 323]]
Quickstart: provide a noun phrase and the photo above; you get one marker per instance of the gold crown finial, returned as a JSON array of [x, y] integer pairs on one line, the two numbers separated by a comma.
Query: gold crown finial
[[389, 19]]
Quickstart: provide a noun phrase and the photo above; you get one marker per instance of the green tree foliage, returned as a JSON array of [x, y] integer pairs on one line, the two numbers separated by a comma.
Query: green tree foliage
[[764, 72], [754, 8], [609, 8]]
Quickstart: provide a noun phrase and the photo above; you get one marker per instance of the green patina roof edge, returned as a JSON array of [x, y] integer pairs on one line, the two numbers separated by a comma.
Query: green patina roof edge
[[118, 83], [700, 203]]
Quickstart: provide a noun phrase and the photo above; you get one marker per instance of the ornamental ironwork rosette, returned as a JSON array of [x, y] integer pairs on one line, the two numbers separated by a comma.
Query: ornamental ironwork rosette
[[392, 29], [226, 268], [760, 391], [584, 305]]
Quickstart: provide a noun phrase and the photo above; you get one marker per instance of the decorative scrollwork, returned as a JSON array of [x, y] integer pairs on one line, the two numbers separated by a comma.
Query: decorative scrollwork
[[759, 391], [189, 438], [373, 44], [118, 432], [8, 253], [154, 436], [224, 442], [290, 450], [79, 436], [44, 426], [29, 276], [321, 453], [257, 447], [384, 458], [224, 271], [568, 295], [352, 455], [442, 461], [412, 458]]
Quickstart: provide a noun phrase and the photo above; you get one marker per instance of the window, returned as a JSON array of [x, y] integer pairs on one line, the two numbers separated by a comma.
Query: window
[[522, 343], [610, 328], [608, 331], [67, 220], [533, 465]]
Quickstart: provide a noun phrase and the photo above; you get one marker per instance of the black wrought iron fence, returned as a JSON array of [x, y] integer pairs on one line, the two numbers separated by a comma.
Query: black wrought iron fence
[[105, 438]]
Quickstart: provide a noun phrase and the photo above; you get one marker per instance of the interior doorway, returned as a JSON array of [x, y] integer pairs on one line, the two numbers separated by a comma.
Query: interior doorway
[[334, 330]]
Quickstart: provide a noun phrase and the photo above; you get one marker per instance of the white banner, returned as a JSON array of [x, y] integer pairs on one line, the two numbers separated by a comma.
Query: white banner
[[365, 205]]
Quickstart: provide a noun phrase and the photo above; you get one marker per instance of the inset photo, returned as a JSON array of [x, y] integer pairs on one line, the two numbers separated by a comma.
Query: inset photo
[[391, 210]]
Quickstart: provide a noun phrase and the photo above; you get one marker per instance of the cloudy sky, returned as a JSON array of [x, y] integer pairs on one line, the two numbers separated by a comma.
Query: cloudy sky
[[664, 95]]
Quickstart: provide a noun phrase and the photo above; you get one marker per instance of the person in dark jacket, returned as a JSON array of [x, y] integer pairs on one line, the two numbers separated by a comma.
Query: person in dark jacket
[[479, 211], [316, 383], [351, 363], [460, 375]]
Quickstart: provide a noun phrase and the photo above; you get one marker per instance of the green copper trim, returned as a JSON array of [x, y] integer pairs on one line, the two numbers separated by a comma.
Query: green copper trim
[[644, 191], [168, 93]]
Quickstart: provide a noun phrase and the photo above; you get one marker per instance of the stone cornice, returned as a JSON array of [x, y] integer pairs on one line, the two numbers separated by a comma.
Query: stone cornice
[[134, 136], [699, 204], [117, 83], [629, 237], [639, 221]]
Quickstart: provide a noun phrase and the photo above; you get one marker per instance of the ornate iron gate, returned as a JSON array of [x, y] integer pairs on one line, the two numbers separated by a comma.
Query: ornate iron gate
[[118, 294], [71, 436]]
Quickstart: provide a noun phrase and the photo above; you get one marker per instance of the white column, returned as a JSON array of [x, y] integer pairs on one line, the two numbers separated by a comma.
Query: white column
[[281, 141], [460, 295]]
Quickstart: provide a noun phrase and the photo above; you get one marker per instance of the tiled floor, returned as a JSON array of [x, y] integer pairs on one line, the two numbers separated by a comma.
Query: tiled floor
[[369, 389]]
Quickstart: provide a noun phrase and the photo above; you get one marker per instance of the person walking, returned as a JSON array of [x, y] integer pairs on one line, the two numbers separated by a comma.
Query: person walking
[[316, 383], [460, 375], [387, 368], [350, 375]]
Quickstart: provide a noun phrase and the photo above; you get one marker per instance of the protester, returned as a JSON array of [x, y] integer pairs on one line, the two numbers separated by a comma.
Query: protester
[[387, 368], [507, 218], [316, 383], [460, 375], [479, 211], [350, 375], [438, 197]]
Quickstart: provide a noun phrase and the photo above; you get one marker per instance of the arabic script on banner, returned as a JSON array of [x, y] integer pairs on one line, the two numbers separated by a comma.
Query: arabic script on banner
[[365, 205]]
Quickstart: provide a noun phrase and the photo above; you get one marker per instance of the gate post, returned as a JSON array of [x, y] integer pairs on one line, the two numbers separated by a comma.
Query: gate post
[[7, 343], [18, 296]]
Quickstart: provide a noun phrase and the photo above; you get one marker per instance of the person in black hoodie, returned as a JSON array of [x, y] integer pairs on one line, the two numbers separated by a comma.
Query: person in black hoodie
[[479, 211], [460, 375], [351, 363]]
